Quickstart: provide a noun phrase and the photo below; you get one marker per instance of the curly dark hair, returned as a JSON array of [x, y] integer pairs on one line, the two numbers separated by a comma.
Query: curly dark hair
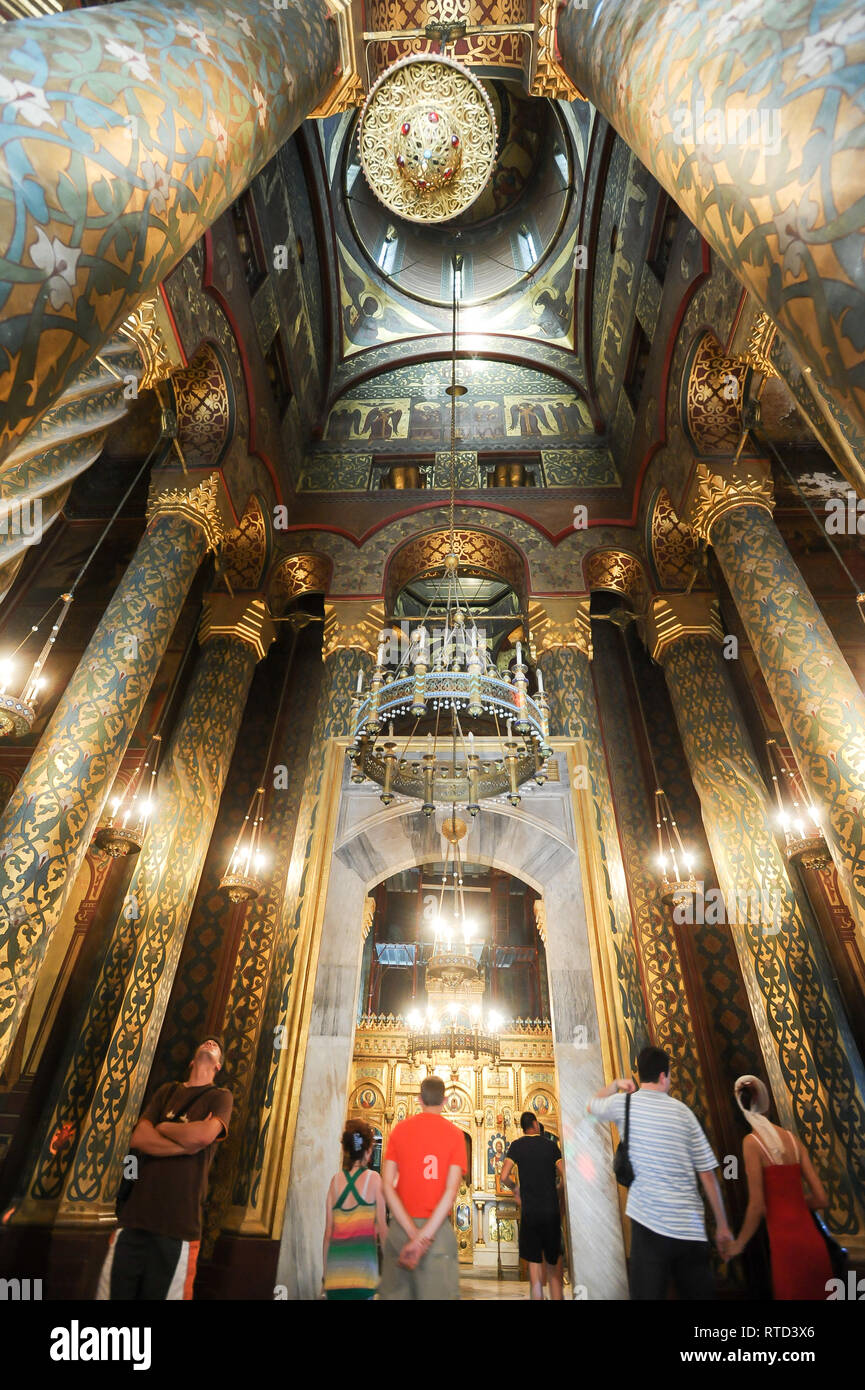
[[357, 1138]]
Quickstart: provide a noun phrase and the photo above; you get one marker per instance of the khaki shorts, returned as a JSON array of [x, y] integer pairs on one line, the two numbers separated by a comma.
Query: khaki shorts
[[436, 1278]]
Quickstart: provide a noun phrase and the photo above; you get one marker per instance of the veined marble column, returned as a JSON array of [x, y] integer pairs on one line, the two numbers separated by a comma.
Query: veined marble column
[[138, 972], [816, 1076], [563, 639], [126, 132], [351, 634], [746, 115], [47, 826], [818, 700]]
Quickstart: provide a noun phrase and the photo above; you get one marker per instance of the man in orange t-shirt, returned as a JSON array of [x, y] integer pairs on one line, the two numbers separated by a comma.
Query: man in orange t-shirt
[[423, 1164]]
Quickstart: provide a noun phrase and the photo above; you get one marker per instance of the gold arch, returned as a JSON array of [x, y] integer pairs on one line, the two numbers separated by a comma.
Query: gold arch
[[482, 554], [619, 571]]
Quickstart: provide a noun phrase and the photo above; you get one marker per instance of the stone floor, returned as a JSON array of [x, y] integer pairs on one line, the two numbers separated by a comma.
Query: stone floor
[[482, 1283]]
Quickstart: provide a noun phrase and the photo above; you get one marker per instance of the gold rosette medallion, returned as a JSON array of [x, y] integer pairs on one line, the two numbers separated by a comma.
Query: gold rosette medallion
[[427, 138]]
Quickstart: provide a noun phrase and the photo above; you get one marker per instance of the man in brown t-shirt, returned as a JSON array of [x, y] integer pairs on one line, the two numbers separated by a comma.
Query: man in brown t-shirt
[[154, 1253]]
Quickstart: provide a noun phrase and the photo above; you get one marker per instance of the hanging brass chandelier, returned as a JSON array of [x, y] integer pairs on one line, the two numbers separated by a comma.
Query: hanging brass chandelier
[[449, 679], [242, 880], [460, 1030], [124, 830], [798, 817]]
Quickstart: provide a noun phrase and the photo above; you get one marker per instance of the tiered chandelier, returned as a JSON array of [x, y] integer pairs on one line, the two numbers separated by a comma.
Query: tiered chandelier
[[448, 677]]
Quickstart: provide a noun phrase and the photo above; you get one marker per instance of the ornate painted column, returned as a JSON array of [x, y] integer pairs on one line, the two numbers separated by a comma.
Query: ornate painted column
[[816, 1076], [119, 1035], [47, 826], [818, 700], [126, 132], [668, 1005], [36, 476], [351, 634], [746, 116], [562, 634]]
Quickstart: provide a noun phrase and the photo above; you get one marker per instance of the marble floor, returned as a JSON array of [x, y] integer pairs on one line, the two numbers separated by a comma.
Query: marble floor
[[482, 1284]]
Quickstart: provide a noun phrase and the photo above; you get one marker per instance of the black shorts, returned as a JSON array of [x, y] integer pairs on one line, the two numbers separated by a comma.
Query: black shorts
[[540, 1237]]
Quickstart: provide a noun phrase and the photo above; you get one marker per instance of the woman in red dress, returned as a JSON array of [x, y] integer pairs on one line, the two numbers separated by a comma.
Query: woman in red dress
[[776, 1164]]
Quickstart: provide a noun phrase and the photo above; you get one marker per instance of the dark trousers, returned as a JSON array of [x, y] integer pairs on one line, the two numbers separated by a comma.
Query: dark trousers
[[142, 1265], [656, 1259]]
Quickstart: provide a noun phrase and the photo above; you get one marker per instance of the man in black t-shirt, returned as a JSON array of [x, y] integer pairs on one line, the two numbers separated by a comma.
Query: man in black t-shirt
[[540, 1167]]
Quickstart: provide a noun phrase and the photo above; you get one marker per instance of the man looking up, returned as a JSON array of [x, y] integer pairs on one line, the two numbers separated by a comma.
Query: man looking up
[[668, 1152], [540, 1166], [154, 1253], [423, 1164]]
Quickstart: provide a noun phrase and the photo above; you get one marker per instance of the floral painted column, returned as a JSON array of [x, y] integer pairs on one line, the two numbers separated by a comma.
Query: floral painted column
[[138, 971], [815, 1073], [749, 115], [563, 639], [818, 700], [48, 823], [125, 130]]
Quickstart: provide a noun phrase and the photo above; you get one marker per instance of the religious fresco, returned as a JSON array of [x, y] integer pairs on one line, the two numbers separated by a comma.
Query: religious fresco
[[505, 403]]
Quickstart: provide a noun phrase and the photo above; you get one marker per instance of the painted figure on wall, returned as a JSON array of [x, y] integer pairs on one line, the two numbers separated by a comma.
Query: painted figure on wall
[[366, 1098], [426, 421], [528, 417], [541, 1104], [382, 422], [495, 1153]]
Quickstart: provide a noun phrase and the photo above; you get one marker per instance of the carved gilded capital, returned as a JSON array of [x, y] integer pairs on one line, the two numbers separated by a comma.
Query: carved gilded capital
[[204, 503], [352, 623], [548, 77], [540, 911], [715, 492], [149, 329], [348, 90], [758, 352], [368, 916], [680, 615], [561, 622], [243, 618]]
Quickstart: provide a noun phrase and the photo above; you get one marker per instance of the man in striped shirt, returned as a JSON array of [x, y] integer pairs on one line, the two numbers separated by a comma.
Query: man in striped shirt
[[668, 1152]]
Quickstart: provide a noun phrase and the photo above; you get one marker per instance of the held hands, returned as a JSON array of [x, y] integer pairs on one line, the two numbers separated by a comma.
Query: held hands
[[727, 1246], [413, 1252]]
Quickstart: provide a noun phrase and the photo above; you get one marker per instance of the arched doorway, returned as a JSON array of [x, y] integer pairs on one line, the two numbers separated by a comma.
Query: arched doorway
[[539, 846]]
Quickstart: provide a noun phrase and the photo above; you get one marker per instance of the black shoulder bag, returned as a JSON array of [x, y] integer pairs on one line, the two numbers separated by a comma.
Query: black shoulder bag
[[622, 1167], [124, 1191]]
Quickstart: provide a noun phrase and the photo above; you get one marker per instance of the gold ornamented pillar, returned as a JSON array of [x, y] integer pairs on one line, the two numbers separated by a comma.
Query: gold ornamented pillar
[[815, 1074], [48, 824], [351, 634], [138, 971], [746, 115], [199, 100], [561, 630], [814, 691]]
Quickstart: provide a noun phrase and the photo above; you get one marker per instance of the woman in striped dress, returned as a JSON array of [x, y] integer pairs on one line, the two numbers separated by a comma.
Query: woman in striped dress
[[355, 1213]]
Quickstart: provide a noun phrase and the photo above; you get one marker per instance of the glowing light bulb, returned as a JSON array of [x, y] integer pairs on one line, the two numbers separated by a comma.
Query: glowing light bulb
[[414, 1019], [495, 1020], [662, 863]]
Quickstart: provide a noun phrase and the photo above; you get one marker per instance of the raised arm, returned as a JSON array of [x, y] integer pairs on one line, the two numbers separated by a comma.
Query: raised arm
[[621, 1083], [756, 1198], [505, 1177]]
